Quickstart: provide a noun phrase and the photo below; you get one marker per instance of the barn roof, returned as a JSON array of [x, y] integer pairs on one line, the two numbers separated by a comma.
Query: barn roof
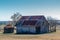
[[25, 17], [30, 20], [31, 17]]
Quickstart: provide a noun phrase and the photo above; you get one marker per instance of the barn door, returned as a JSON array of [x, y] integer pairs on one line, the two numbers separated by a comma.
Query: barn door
[[38, 29]]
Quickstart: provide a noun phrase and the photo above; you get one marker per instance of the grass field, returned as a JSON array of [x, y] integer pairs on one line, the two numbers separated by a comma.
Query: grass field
[[47, 36]]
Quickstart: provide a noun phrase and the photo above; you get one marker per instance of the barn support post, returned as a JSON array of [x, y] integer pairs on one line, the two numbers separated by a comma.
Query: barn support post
[[55, 28], [50, 28]]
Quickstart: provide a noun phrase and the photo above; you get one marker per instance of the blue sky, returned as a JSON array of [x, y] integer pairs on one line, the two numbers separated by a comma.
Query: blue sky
[[29, 7]]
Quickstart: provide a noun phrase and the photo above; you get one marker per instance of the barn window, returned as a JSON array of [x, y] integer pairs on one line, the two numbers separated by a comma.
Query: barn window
[[29, 22]]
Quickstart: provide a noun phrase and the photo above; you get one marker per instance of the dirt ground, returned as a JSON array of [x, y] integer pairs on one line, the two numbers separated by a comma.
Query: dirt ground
[[47, 36]]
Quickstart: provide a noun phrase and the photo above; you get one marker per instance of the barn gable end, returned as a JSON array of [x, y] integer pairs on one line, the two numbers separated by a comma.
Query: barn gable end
[[32, 24]]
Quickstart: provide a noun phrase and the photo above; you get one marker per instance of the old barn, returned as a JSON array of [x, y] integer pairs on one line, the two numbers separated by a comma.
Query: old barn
[[8, 29], [32, 24]]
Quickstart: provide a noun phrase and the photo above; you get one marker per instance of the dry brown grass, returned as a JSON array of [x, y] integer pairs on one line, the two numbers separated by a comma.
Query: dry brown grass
[[48, 36]]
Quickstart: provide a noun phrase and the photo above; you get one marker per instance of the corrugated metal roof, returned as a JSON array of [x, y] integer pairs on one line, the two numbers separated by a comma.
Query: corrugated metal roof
[[29, 22], [31, 17], [25, 17], [36, 17], [8, 26]]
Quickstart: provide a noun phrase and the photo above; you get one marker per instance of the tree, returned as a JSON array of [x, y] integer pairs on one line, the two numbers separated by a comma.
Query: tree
[[52, 23], [15, 17]]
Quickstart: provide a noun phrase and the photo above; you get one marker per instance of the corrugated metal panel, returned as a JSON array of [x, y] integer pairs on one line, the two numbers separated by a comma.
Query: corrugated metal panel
[[36, 17], [25, 17], [8, 30], [26, 30], [31, 17], [29, 22]]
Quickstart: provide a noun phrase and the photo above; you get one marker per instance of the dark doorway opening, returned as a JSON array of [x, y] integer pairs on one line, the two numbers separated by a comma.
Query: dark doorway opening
[[38, 29]]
